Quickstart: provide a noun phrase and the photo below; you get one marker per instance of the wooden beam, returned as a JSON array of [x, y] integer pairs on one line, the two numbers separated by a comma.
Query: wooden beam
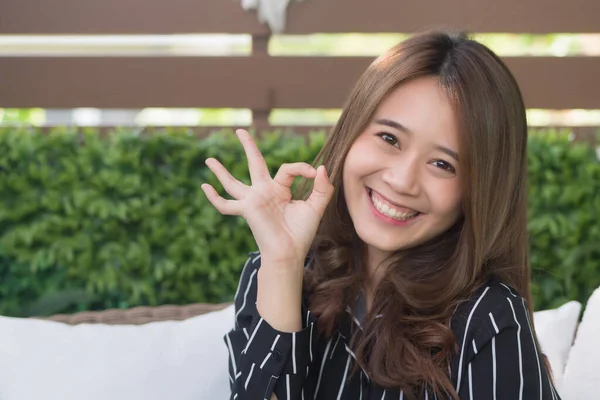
[[258, 82], [515, 16], [121, 17], [309, 16]]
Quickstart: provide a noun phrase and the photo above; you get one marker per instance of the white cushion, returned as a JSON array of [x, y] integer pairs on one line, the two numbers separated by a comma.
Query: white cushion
[[183, 360], [555, 330], [582, 373]]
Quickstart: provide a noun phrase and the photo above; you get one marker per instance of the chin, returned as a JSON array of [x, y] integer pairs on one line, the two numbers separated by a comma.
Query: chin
[[387, 246], [397, 247]]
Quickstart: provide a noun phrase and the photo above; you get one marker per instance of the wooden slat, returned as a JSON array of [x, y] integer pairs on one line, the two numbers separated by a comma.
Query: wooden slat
[[227, 16], [518, 16], [556, 82], [127, 17], [238, 82], [258, 82]]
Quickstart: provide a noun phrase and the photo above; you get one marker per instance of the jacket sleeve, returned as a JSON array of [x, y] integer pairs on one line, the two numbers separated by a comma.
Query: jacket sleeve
[[508, 366], [263, 360]]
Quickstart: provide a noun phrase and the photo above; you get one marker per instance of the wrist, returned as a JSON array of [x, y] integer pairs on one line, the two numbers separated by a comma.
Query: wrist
[[279, 296], [281, 262]]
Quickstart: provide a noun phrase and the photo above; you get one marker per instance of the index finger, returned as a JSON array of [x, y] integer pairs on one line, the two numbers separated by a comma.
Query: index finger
[[256, 162]]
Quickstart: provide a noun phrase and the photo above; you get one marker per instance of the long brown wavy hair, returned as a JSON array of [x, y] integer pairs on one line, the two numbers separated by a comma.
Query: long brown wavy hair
[[423, 285]]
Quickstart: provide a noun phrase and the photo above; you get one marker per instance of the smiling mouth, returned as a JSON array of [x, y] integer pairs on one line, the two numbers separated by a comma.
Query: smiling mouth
[[389, 210]]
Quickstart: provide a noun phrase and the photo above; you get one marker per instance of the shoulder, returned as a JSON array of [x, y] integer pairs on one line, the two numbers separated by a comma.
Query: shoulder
[[493, 325], [493, 308]]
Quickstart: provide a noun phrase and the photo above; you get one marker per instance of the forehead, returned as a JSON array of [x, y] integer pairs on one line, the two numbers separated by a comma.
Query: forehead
[[422, 106]]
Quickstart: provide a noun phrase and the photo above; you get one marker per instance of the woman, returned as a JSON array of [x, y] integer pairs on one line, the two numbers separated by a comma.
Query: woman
[[404, 274]]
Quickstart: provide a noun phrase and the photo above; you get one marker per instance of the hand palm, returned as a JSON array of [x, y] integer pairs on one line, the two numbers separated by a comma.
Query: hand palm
[[283, 228]]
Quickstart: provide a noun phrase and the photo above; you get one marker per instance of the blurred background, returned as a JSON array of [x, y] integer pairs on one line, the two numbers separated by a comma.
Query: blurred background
[[109, 109]]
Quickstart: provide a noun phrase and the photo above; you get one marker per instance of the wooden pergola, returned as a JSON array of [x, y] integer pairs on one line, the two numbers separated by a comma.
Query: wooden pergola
[[262, 82]]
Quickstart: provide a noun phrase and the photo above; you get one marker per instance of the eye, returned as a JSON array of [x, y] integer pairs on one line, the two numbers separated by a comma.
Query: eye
[[389, 138], [443, 165]]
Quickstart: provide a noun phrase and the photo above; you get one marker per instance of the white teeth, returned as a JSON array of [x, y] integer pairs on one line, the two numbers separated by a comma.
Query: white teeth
[[391, 212]]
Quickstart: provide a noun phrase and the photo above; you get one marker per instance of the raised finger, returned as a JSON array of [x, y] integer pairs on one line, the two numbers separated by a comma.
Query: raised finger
[[226, 207], [256, 162], [288, 172], [231, 185], [322, 191]]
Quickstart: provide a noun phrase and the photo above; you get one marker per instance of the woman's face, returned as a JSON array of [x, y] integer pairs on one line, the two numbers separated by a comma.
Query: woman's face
[[400, 176]]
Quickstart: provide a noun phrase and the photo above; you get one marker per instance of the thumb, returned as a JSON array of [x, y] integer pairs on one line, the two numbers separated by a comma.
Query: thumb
[[322, 191]]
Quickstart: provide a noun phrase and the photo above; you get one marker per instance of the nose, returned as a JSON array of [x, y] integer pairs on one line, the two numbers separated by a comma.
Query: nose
[[402, 176]]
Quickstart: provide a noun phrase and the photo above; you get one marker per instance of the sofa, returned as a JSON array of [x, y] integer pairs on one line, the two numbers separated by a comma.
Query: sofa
[[177, 352]]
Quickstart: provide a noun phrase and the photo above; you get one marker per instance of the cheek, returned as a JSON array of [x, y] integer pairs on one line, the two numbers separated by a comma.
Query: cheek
[[353, 165], [362, 159], [450, 203]]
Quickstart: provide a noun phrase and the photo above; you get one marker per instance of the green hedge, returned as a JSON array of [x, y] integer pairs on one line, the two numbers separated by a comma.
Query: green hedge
[[92, 223], [563, 220]]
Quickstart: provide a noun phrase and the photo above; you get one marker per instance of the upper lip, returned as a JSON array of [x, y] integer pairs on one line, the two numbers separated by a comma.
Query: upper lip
[[392, 202]]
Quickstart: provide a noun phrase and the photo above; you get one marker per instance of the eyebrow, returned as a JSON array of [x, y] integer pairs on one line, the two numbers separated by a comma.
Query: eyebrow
[[393, 124], [447, 151], [398, 126]]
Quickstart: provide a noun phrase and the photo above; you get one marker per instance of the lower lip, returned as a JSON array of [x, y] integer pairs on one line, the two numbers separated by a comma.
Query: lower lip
[[389, 220]]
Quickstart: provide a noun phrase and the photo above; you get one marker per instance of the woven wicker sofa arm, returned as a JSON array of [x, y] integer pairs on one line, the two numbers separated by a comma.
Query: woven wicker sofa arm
[[137, 315]]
